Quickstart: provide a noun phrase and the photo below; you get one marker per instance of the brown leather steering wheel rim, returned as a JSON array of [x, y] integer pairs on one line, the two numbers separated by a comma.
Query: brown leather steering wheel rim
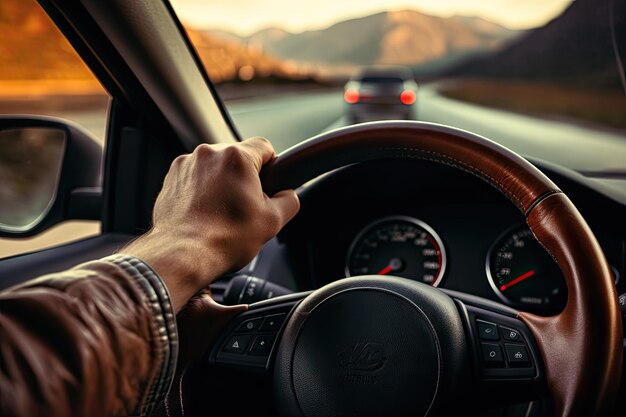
[[581, 346]]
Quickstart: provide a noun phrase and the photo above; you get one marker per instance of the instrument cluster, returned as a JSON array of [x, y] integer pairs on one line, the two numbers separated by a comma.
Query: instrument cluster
[[519, 270]]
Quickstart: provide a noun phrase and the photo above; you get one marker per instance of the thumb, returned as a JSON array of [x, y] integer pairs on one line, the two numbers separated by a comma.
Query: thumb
[[286, 204], [200, 321]]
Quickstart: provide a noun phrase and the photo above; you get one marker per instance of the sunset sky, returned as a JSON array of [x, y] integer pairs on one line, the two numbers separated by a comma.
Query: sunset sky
[[247, 16]]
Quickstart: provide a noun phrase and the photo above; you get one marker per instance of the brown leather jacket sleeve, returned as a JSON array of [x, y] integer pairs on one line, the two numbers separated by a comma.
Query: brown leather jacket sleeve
[[96, 340]]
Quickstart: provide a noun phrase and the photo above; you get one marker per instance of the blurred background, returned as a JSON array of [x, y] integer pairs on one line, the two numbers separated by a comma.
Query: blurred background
[[543, 77]]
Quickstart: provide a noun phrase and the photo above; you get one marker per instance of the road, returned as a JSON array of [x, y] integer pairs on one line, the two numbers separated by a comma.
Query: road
[[288, 119], [561, 142]]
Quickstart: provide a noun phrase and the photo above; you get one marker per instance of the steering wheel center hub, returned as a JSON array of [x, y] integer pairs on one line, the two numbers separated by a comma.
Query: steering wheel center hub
[[371, 348]]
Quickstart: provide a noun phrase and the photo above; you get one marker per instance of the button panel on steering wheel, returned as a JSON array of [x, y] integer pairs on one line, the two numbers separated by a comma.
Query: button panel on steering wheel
[[504, 347], [249, 340]]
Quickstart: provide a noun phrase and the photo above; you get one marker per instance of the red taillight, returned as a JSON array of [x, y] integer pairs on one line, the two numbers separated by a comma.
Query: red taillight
[[407, 97], [351, 96]]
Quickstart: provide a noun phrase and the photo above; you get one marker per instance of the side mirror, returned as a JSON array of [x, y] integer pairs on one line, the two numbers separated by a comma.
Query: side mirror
[[50, 171]]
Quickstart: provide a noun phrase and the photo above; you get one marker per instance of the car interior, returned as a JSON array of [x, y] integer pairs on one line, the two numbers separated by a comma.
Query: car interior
[[430, 271]]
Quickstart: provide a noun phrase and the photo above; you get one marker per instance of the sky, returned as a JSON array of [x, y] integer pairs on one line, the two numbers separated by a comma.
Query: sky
[[245, 17]]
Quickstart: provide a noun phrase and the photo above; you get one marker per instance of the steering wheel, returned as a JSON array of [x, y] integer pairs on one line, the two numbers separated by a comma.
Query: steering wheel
[[371, 345]]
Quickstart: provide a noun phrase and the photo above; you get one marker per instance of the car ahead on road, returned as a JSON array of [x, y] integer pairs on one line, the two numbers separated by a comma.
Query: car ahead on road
[[430, 271], [380, 93]]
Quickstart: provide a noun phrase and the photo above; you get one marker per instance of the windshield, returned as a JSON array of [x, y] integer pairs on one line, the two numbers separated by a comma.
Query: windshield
[[542, 77]]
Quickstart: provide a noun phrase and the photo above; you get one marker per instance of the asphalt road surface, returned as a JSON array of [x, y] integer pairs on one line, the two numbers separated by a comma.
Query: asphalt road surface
[[289, 119]]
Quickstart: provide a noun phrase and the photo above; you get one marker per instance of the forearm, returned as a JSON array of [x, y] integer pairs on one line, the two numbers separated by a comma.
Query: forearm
[[97, 340]]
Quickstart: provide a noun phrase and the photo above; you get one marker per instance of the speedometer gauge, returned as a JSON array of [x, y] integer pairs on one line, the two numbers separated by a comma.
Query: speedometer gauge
[[399, 246], [522, 273]]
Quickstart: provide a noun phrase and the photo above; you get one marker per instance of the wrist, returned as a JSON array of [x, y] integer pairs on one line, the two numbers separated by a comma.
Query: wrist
[[179, 262]]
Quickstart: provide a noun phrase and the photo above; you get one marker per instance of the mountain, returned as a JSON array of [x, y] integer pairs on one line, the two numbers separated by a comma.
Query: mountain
[[267, 36], [483, 26], [576, 48], [398, 37]]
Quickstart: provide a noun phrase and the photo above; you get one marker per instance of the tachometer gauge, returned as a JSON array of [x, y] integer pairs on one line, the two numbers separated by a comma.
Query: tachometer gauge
[[522, 273], [400, 246]]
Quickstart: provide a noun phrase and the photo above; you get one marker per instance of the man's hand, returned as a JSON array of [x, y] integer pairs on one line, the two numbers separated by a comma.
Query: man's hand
[[212, 216]]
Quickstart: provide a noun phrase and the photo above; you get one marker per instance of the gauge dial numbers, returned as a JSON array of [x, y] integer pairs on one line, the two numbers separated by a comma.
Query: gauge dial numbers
[[400, 246], [522, 274]]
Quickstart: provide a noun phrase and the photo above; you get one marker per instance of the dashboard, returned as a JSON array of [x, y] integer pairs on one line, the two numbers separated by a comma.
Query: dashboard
[[434, 224]]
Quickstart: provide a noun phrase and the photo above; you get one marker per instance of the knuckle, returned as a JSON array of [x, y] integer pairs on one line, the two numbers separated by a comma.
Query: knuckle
[[235, 156], [178, 160], [265, 143], [203, 150]]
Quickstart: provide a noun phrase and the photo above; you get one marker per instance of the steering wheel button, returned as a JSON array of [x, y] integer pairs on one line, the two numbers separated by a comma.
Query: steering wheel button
[[262, 344], [237, 344], [487, 331], [272, 323], [248, 326], [511, 334], [517, 355], [492, 355]]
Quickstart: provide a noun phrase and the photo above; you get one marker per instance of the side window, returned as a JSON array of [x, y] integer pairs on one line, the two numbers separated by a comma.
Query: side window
[[41, 74]]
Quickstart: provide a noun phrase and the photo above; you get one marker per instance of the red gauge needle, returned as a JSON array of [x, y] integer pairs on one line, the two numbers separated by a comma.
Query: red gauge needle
[[385, 270], [518, 280]]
